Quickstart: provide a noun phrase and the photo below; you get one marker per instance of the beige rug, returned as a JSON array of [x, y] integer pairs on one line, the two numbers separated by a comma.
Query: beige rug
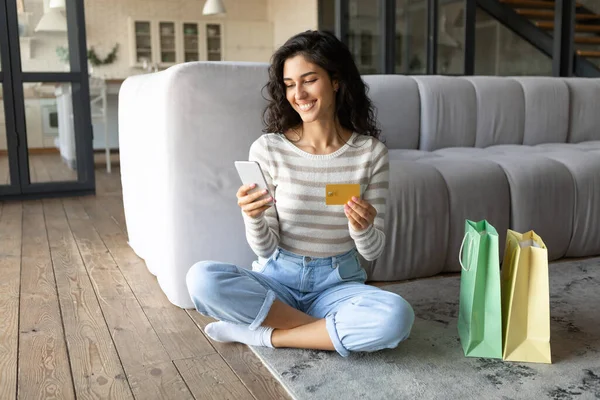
[[431, 365]]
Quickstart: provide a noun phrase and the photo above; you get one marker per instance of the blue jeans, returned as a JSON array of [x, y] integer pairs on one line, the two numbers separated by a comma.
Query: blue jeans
[[358, 317]]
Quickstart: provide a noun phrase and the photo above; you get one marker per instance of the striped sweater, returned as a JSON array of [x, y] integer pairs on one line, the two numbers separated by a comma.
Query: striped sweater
[[300, 221]]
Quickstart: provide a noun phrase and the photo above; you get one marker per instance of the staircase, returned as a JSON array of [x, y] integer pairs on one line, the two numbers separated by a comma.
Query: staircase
[[587, 26]]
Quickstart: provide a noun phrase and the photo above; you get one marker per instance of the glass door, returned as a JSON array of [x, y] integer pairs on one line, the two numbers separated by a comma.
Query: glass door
[[364, 35], [46, 98], [9, 178]]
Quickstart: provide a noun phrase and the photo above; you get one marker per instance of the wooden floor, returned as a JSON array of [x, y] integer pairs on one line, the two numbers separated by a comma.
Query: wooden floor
[[50, 167], [81, 316]]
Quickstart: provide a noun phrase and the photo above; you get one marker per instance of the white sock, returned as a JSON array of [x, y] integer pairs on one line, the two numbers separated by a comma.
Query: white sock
[[228, 332]]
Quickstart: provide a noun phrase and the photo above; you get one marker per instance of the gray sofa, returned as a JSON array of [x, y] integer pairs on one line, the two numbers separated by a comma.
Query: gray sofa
[[523, 153]]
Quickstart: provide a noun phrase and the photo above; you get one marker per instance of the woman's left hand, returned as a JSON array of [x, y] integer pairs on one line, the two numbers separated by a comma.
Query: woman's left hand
[[360, 213]]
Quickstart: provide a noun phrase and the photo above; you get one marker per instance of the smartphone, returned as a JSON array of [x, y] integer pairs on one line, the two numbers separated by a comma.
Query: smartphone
[[250, 172], [340, 194]]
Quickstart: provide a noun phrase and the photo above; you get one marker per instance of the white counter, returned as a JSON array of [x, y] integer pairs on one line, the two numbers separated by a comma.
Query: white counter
[[103, 140]]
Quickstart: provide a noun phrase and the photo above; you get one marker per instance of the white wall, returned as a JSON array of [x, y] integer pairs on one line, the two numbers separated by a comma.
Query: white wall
[[38, 49], [253, 29], [290, 17], [247, 36], [248, 33]]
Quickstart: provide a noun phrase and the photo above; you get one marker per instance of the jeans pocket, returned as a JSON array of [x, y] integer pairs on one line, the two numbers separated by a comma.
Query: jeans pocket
[[261, 268], [350, 270]]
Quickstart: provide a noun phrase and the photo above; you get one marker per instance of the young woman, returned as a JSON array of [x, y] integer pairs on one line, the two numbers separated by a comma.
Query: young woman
[[307, 289]]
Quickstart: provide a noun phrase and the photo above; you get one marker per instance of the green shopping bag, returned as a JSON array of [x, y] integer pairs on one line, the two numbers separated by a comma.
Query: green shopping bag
[[480, 313]]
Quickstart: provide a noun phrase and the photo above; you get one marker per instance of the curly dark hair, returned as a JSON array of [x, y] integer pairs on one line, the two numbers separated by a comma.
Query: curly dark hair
[[353, 108]]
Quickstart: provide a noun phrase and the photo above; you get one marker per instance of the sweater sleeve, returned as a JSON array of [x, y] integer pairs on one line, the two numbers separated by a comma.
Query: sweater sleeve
[[262, 233], [371, 241]]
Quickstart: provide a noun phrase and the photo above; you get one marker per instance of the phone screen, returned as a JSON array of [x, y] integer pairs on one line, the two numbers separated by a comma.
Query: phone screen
[[250, 172]]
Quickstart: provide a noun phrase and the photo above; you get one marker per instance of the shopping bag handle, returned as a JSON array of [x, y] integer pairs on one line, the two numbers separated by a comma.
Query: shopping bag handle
[[461, 250]]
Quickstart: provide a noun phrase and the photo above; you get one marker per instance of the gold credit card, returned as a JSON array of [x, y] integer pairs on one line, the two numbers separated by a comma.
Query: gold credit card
[[340, 194]]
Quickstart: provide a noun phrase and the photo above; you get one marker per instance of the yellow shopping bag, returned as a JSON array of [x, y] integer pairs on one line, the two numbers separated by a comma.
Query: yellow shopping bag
[[525, 299]]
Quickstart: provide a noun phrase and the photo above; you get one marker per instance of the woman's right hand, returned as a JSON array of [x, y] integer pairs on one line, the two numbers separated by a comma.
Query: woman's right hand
[[250, 204]]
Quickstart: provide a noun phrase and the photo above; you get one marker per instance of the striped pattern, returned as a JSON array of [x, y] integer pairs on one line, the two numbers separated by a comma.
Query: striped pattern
[[301, 222]]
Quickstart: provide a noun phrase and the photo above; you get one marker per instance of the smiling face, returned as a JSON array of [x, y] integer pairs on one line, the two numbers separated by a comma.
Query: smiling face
[[309, 89]]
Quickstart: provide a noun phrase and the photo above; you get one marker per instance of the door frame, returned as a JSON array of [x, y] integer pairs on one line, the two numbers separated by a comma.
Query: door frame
[[14, 187], [78, 78]]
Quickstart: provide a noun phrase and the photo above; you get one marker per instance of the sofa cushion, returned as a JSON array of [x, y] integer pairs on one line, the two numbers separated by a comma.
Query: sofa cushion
[[589, 145], [448, 112], [416, 225], [546, 110], [500, 110], [584, 167], [410, 155], [477, 189], [186, 126], [542, 198], [514, 149], [582, 146], [396, 99], [584, 109], [559, 146], [460, 152]]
